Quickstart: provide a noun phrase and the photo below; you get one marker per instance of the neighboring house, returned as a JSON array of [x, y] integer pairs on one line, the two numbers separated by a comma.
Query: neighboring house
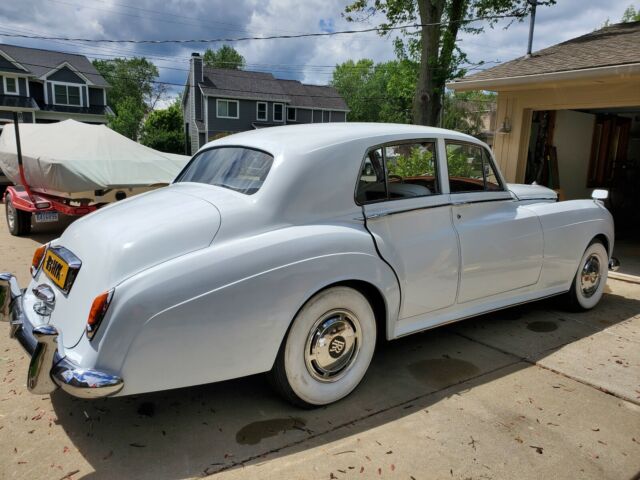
[[45, 86], [218, 101], [569, 117]]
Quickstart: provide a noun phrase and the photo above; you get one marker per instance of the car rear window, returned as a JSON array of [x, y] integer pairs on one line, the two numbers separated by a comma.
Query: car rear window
[[240, 169]]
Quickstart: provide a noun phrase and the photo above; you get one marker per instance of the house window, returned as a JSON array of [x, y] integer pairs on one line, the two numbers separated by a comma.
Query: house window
[[227, 108], [261, 111], [66, 95], [10, 85], [291, 114], [278, 112]]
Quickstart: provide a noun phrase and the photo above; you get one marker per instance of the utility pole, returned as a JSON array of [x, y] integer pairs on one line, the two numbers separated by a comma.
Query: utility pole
[[534, 4]]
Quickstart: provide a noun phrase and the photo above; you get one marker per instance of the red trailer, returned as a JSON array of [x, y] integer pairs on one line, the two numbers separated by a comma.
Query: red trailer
[[21, 202], [75, 168]]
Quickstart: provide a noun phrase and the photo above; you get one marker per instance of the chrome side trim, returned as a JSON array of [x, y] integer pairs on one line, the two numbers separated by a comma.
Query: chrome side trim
[[405, 210]]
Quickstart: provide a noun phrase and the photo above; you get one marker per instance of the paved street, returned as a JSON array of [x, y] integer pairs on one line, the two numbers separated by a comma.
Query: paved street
[[529, 392]]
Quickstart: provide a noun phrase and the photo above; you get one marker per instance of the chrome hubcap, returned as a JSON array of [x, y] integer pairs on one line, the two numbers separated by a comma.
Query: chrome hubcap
[[11, 215], [590, 276], [332, 345]]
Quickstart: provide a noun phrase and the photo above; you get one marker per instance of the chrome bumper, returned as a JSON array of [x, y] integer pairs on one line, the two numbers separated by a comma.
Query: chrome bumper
[[48, 370]]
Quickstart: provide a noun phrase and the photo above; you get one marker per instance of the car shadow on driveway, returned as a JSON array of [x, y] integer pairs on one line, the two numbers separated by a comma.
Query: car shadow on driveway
[[203, 430]]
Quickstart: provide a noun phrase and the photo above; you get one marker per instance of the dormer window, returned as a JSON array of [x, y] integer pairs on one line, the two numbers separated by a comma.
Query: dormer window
[[10, 85], [67, 95]]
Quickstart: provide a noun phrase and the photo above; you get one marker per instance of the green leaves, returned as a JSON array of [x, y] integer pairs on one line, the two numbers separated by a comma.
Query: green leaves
[[163, 130], [380, 92], [225, 57]]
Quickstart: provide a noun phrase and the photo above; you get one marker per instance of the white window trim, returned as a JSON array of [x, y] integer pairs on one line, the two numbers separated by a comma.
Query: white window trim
[[274, 113], [67, 84], [4, 85], [295, 114], [218, 100], [266, 111]]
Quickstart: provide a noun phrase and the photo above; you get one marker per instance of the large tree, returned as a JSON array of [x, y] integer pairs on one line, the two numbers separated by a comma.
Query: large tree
[[224, 57], [134, 91], [433, 44], [377, 92]]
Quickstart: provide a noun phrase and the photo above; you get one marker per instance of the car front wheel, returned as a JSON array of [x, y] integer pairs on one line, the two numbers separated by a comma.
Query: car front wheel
[[588, 284], [327, 350]]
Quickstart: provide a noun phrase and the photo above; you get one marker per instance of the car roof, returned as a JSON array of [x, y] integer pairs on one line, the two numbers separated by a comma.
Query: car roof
[[313, 136]]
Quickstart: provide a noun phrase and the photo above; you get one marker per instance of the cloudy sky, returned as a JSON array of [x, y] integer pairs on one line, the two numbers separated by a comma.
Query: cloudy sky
[[310, 60]]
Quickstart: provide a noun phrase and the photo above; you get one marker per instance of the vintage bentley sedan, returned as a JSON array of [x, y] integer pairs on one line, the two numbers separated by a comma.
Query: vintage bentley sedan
[[292, 250]]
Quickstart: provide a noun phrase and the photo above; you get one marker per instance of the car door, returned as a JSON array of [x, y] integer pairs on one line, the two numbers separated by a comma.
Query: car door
[[410, 220], [501, 242]]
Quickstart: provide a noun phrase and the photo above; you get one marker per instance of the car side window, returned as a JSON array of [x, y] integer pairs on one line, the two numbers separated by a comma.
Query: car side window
[[470, 169], [372, 185], [396, 171]]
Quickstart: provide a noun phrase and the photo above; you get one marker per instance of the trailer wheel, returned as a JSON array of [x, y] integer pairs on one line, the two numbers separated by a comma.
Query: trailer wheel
[[19, 222]]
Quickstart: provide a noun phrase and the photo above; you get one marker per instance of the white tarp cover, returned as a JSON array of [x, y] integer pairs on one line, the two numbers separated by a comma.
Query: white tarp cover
[[72, 156]]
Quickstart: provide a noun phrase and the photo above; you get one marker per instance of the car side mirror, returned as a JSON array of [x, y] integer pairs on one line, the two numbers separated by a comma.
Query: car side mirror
[[600, 194]]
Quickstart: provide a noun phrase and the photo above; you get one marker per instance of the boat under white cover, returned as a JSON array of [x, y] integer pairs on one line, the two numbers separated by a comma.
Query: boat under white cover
[[76, 159]]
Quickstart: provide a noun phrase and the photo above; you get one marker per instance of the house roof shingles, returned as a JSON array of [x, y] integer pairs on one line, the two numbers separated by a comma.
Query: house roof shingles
[[610, 46], [264, 86], [40, 62]]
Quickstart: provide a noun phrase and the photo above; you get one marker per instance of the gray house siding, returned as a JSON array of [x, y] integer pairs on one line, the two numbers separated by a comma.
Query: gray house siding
[[27, 117], [337, 116], [22, 86], [96, 96], [304, 115], [317, 116], [7, 66], [246, 109], [65, 74], [49, 92]]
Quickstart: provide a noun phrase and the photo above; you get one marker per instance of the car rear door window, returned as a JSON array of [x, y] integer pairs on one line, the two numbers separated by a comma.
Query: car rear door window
[[399, 170], [470, 169]]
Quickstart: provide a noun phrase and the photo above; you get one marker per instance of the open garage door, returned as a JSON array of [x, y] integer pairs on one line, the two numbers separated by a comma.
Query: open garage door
[[576, 151]]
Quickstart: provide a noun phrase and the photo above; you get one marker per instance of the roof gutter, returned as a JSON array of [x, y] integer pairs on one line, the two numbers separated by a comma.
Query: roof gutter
[[582, 74]]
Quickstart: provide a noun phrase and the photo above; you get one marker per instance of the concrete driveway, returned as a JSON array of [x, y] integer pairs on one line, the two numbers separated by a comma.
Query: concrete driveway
[[529, 392]]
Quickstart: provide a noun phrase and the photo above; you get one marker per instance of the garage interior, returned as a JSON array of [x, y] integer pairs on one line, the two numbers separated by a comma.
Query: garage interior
[[576, 151]]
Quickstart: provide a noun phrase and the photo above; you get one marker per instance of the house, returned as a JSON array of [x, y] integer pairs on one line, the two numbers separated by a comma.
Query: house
[[45, 86], [219, 101], [568, 117]]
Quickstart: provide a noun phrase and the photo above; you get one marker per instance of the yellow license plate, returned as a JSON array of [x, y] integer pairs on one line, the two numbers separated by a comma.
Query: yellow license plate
[[56, 269]]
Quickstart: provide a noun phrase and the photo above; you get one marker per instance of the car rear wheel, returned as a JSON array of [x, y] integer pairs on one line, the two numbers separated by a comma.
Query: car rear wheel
[[588, 284], [18, 222], [327, 350]]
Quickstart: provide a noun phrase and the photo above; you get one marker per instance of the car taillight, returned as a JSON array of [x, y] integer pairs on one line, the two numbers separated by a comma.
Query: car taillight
[[98, 311], [38, 255]]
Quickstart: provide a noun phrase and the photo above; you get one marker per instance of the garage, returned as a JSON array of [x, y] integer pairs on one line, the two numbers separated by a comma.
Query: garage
[[568, 117]]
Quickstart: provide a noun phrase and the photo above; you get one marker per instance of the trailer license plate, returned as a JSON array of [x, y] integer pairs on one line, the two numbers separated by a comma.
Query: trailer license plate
[[46, 217], [56, 269]]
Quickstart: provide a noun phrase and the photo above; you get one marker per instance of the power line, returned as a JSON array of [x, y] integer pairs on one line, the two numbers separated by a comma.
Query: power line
[[268, 37], [282, 94]]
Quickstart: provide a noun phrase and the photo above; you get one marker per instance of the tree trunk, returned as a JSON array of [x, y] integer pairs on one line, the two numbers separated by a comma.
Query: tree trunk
[[435, 63], [427, 105]]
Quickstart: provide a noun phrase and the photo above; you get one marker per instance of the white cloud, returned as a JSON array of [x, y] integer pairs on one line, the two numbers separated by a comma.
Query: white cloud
[[309, 59]]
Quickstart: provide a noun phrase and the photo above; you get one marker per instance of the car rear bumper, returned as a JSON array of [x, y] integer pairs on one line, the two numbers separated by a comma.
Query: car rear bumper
[[48, 370]]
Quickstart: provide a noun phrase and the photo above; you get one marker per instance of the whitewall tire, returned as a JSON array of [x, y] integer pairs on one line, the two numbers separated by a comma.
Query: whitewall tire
[[588, 284], [327, 350]]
